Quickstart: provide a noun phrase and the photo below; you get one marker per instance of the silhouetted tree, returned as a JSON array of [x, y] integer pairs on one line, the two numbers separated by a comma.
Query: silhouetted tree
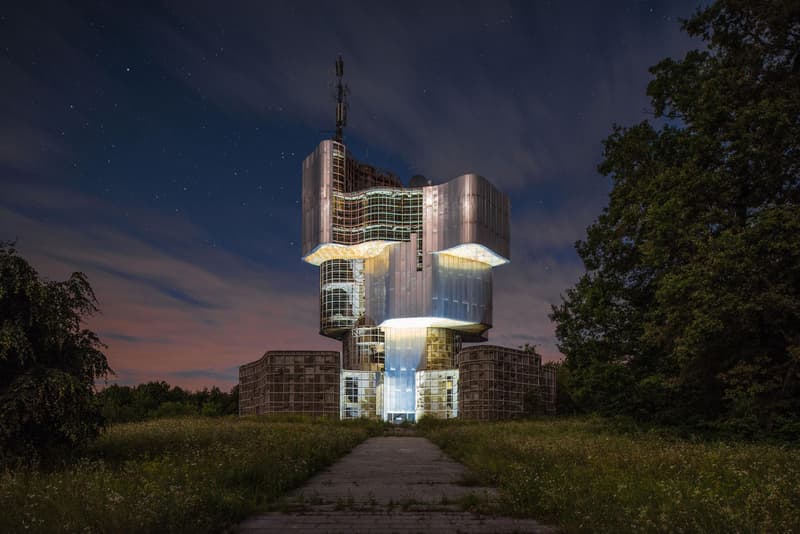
[[48, 362], [121, 404], [689, 311]]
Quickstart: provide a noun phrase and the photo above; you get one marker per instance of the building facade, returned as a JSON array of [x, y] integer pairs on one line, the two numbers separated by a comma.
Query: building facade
[[291, 382], [503, 383], [405, 280]]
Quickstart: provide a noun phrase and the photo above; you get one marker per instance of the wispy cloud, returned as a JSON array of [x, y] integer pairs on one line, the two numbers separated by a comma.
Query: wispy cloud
[[130, 339], [36, 110], [226, 376], [540, 231], [445, 114], [524, 292], [211, 318], [26, 145], [245, 308], [448, 87]]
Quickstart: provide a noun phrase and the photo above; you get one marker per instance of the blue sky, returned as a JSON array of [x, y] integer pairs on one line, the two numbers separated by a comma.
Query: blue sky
[[157, 147]]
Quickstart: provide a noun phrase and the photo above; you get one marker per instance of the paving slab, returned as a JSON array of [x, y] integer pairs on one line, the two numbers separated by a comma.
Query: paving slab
[[365, 522], [392, 470], [389, 484]]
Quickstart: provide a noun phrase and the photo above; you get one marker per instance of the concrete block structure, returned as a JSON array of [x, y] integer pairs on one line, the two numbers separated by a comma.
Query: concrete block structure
[[291, 382], [503, 383], [405, 280]]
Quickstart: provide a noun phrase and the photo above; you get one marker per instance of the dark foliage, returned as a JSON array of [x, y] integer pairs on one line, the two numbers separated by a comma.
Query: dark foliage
[[565, 404], [48, 363], [122, 404], [689, 312]]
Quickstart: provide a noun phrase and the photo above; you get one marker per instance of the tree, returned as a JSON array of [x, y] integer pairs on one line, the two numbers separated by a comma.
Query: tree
[[689, 310], [48, 363], [564, 403], [121, 404]]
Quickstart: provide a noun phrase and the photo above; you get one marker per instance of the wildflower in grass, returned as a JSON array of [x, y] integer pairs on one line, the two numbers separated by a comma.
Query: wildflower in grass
[[633, 483], [173, 475]]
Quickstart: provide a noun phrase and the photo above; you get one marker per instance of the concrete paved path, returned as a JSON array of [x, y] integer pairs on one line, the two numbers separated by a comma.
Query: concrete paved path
[[390, 484]]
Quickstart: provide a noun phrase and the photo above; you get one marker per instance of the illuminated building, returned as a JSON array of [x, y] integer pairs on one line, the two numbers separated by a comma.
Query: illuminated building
[[291, 382], [405, 279]]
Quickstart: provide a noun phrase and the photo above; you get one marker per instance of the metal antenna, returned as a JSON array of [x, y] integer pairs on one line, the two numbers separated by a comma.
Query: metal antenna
[[341, 99]]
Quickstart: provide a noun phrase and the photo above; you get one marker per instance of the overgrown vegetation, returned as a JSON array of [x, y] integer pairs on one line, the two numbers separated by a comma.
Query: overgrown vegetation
[[122, 404], [689, 312], [175, 475], [581, 475]]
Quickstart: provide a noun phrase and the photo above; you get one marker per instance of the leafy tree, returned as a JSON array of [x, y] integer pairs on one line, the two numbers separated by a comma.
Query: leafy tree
[[117, 404], [175, 409], [122, 404], [48, 363], [231, 402], [565, 405], [690, 307]]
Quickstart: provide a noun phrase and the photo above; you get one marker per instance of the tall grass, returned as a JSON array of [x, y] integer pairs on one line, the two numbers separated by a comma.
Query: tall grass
[[174, 475], [586, 478]]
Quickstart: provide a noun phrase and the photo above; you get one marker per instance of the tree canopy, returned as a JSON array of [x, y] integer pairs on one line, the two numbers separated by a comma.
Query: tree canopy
[[120, 404], [689, 310], [48, 362]]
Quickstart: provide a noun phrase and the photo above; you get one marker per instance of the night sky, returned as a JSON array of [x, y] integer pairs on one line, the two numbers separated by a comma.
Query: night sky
[[158, 149]]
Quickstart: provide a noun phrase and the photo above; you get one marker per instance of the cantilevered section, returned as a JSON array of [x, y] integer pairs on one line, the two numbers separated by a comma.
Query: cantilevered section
[[335, 251], [465, 217], [475, 252], [403, 262], [405, 278], [352, 210]]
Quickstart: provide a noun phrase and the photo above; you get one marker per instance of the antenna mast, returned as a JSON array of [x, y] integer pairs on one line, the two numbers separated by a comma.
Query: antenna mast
[[341, 99]]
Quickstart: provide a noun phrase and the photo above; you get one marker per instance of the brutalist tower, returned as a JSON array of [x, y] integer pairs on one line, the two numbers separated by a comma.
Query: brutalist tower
[[405, 279]]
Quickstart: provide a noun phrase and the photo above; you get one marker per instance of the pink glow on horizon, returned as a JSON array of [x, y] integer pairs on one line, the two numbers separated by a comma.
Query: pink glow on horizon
[[192, 317]]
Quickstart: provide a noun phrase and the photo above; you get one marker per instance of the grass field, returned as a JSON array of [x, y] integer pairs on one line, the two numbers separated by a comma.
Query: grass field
[[174, 475], [205, 474], [578, 474]]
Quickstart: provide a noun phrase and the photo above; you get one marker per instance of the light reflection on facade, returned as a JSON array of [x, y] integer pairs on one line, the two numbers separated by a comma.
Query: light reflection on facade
[[405, 278], [412, 263]]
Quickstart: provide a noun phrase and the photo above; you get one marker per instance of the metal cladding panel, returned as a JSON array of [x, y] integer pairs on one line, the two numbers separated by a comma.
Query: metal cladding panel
[[405, 291], [317, 190], [447, 287], [394, 287], [467, 209], [376, 282], [461, 290]]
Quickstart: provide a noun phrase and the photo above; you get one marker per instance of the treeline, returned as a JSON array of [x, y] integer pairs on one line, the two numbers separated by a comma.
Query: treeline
[[122, 404], [689, 311]]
